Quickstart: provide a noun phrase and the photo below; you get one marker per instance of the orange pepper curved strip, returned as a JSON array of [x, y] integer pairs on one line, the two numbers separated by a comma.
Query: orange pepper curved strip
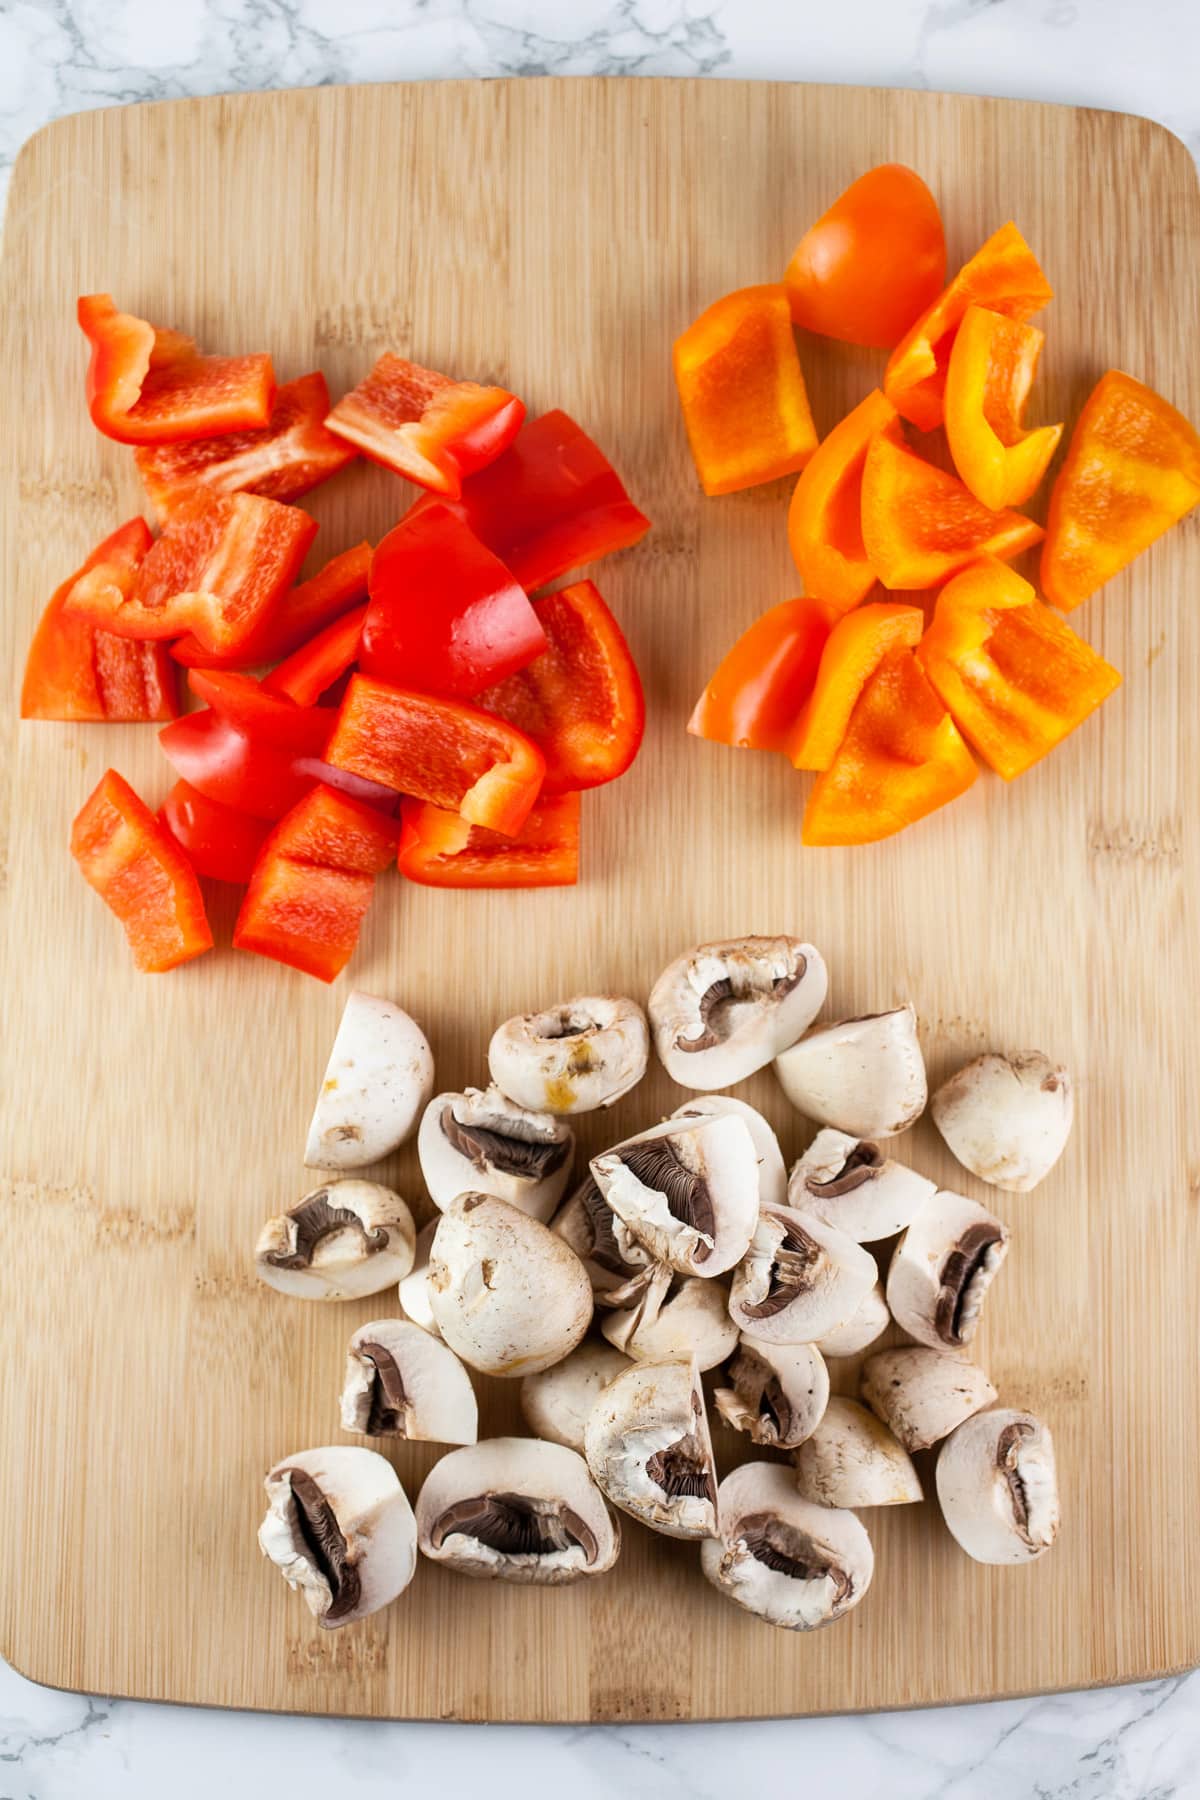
[[1132, 470], [991, 371], [1015, 678], [760, 685], [825, 516], [742, 390], [856, 647], [921, 525], [902, 758], [1003, 275]]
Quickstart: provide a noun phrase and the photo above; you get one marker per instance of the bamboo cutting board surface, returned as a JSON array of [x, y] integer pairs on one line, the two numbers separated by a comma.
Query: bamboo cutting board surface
[[555, 235]]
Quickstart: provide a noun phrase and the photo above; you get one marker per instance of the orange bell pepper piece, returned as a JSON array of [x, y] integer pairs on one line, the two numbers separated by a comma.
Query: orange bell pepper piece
[[855, 648], [1003, 275], [1132, 470], [141, 874], [742, 390], [1016, 679], [825, 516], [921, 525], [991, 370], [902, 757], [761, 684]]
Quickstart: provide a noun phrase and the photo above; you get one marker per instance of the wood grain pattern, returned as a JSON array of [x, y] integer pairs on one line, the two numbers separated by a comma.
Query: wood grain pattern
[[555, 236]]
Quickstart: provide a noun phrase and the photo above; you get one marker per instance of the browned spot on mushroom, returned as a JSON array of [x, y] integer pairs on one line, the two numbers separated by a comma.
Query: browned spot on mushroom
[[796, 1257], [484, 1148], [859, 1167], [723, 993], [782, 1547], [1008, 1450], [387, 1406], [684, 1468], [656, 1164], [316, 1218], [516, 1525], [959, 1271], [321, 1536]]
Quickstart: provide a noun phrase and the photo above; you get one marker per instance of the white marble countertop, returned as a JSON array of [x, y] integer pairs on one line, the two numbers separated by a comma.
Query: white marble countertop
[[57, 56]]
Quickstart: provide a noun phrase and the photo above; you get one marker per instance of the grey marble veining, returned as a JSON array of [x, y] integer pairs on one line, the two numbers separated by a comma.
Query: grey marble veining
[[57, 56]]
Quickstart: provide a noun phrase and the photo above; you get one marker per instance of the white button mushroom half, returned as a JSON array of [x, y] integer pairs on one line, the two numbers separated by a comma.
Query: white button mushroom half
[[864, 1076], [998, 1486], [343, 1241], [341, 1531], [778, 1556], [479, 1142], [1007, 1118], [848, 1182], [516, 1509], [571, 1058], [401, 1382], [687, 1190], [648, 1447], [378, 1080], [724, 1010]]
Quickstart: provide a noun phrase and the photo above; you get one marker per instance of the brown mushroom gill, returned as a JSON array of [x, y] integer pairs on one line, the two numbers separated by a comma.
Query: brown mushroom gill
[[656, 1164], [723, 994], [960, 1270], [533, 1159], [780, 1546], [747, 1371], [796, 1257], [319, 1533], [604, 1248], [861, 1166], [516, 1525], [387, 1407], [317, 1218], [1008, 1451], [683, 1468]]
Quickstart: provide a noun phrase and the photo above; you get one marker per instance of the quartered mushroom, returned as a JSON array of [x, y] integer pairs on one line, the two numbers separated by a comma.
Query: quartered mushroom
[[923, 1395], [942, 1268], [341, 1531], [571, 1058], [851, 1459], [555, 1404], [724, 1010], [341, 1242], [687, 1190], [792, 1563], [1007, 1118], [864, 1076], [772, 1173], [401, 1382], [378, 1079], [779, 1392], [516, 1509], [414, 1289], [507, 1294], [692, 1321], [864, 1325], [604, 1244], [851, 1184], [799, 1279], [998, 1487], [479, 1142], [648, 1447]]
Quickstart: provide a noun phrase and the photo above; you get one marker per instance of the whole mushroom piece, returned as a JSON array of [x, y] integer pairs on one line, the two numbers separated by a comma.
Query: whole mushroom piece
[[779, 1392], [772, 1172], [571, 1058], [377, 1081], [998, 1486], [648, 1447], [942, 1268], [687, 1190], [853, 1460], [864, 1076], [780, 1557], [1007, 1118], [691, 1321], [922, 1395], [848, 1182], [340, 1529], [725, 1009], [799, 1279], [480, 1142], [402, 1382], [555, 1404], [341, 1242], [516, 1509]]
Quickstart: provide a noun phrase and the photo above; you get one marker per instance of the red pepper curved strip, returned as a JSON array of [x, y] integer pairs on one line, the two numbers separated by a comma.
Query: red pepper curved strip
[[921, 525], [761, 685], [142, 876], [825, 515], [308, 672], [308, 608], [581, 701], [425, 426], [74, 671], [991, 371], [439, 849], [220, 842], [149, 386]]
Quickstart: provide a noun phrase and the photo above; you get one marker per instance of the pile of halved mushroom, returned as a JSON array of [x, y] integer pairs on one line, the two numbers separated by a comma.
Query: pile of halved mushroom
[[693, 1250]]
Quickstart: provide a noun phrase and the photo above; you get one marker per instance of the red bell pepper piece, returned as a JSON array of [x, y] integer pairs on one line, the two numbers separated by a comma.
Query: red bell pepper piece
[[425, 426], [446, 617], [291, 455], [452, 755], [141, 874], [761, 685], [310, 606], [219, 569], [581, 702], [313, 881], [74, 671], [219, 841], [439, 849], [306, 674], [550, 503], [149, 386]]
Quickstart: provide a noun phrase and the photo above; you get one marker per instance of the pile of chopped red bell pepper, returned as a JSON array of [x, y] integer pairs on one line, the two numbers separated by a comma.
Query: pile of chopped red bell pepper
[[882, 697], [413, 704]]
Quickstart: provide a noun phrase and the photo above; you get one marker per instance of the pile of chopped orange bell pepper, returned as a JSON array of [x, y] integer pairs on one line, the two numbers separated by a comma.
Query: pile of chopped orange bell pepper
[[885, 699]]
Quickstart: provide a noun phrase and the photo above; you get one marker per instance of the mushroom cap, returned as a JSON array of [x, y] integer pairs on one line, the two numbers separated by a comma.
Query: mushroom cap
[[414, 1289], [648, 1447], [792, 1563], [723, 1010], [507, 1294], [942, 1268], [603, 1243], [516, 1509], [692, 1321], [555, 1403], [998, 1486], [799, 1279], [860, 1329], [848, 1182], [1007, 1118], [922, 1395], [687, 1190], [772, 1172], [341, 1242], [865, 1076], [402, 1382], [479, 1142], [779, 1392], [571, 1058], [378, 1078], [853, 1460], [341, 1530]]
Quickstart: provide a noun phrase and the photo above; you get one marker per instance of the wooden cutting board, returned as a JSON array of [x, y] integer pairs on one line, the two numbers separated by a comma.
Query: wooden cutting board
[[555, 235]]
